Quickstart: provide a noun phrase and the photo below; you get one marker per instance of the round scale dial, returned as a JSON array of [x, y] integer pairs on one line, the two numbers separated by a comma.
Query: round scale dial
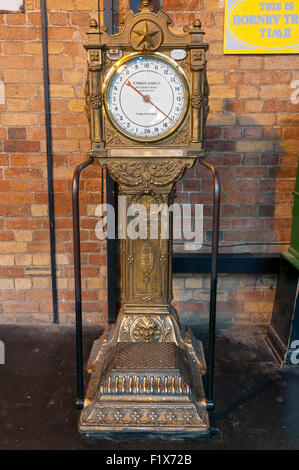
[[146, 96]]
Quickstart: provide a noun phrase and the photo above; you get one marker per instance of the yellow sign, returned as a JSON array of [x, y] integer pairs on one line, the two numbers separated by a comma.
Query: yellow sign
[[257, 27]]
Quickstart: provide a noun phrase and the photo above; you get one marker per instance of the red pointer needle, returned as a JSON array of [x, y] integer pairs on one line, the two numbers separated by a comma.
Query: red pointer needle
[[147, 100]]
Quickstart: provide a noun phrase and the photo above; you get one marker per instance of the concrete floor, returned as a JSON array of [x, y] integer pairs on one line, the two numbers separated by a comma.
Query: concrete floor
[[256, 401]]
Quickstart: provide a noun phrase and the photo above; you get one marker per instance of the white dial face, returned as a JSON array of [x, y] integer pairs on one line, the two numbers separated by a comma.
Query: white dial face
[[147, 97]]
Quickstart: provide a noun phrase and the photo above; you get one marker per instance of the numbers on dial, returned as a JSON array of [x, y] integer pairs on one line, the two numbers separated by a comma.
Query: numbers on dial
[[146, 97]]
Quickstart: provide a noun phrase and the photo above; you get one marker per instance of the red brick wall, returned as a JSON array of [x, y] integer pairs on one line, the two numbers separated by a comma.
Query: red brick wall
[[252, 136], [24, 246]]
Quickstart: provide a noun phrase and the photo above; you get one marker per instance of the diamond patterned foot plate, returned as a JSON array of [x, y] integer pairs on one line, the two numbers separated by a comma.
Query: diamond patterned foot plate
[[131, 417]]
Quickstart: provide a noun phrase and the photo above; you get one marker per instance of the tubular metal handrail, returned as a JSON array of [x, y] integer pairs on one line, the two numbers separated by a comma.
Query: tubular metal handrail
[[213, 286], [78, 289]]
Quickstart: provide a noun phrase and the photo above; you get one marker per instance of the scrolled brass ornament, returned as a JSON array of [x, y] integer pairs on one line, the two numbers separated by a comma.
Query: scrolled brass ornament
[[196, 99], [147, 260], [112, 137], [96, 100], [147, 173], [108, 63], [182, 137], [94, 56]]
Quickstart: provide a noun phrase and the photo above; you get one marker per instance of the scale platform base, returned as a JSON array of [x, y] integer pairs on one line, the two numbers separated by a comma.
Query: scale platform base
[[135, 387]]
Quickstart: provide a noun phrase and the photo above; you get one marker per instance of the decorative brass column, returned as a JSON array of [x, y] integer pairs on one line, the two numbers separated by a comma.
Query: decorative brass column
[[146, 370]]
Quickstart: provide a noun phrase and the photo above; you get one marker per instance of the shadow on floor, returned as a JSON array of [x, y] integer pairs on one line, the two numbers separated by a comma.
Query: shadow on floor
[[256, 401]]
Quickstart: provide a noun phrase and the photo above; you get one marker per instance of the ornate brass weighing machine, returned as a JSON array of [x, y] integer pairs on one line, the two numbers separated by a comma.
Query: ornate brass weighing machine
[[147, 104]]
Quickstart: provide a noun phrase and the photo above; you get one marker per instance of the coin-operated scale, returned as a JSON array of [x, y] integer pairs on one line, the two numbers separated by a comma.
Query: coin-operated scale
[[147, 104]]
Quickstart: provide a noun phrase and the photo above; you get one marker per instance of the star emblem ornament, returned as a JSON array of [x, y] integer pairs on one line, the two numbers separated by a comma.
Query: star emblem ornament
[[146, 35]]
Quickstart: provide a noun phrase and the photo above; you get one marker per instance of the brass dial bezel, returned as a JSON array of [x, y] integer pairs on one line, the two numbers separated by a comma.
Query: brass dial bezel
[[109, 76]]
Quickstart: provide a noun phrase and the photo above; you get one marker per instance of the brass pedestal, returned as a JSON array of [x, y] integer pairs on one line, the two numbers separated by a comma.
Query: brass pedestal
[[153, 387]]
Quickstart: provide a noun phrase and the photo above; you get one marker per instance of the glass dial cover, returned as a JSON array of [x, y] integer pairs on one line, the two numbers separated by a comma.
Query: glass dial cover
[[146, 97]]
